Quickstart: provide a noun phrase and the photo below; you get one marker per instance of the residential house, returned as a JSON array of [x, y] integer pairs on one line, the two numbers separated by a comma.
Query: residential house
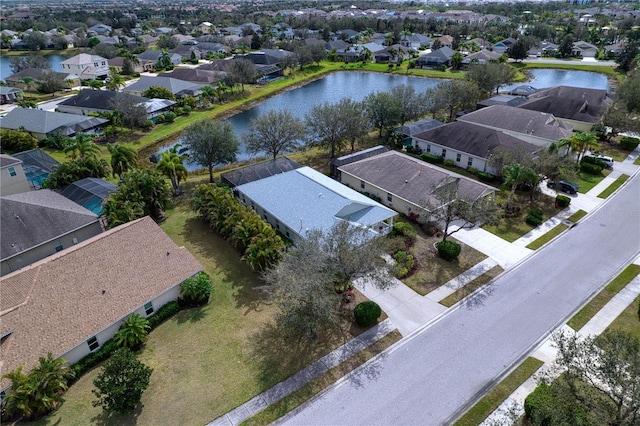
[[301, 200], [37, 224], [187, 51], [507, 100], [71, 303], [544, 48], [481, 57], [258, 171], [480, 42], [415, 41], [582, 49], [148, 40], [99, 29], [446, 41], [540, 129], [196, 75], [613, 50], [118, 64], [13, 179], [37, 166], [503, 46], [90, 193], [37, 75], [177, 87], [162, 31], [98, 101], [407, 184], [469, 145], [9, 95], [185, 39], [86, 66], [338, 45], [437, 58], [154, 55], [577, 106], [207, 27], [44, 124]]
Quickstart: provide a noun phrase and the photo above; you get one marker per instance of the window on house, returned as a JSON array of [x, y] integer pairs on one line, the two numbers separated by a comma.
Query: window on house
[[265, 216], [458, 157], [428, 148], [362, 184], [58, 246], [148, 308], [95, 64], [12, 171], [444, 153], [287, 234], [93, 343], [389, 197], [470, 162]]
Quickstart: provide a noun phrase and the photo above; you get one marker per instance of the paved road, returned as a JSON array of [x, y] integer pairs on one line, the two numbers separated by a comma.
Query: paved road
[[434, 375]]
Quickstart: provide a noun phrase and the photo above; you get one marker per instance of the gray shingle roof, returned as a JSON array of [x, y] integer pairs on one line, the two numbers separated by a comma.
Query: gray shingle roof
[[31, 218], [174, 85], [98, 99], [410, 178], [573, 103], [519, 120], [304, 199], [7, 160], [473, 139], [483, 56], [38, 121]]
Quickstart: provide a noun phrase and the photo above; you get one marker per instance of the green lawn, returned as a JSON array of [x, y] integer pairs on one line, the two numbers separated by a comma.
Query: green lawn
[[492, 400], [637, 162], [615, 185], [586, 182], [577, 216], [628, 320], [590, 309], [554, 232], [471, 286], [206, 361], [512, 228]]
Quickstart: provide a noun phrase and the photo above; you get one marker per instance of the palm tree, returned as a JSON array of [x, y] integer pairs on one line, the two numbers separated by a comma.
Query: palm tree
[[580, 142], [27, 81], [514, 174], [116, 81], [82, 147], [122, 158], [94, 84], [171, 165], [133, 332]]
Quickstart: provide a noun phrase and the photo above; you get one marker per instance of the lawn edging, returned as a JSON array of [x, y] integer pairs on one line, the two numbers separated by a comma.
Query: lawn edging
[[596, 303], [496, 396], [547, 237], [614, 186]]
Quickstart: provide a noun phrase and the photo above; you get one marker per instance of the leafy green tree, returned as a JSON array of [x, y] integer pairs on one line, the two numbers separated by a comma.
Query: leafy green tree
[[411, 105], [580, 143], [133, 332], [242, 71], [28, 83], [303, 283], [128, 111], [456, 60], [51, 82], [197, 289], [115, 81], [171, 165], [167, 42], [17, 140], [383, 110], [326, 126], [81, 147], [164, 61], [120, 384], [159, 93], [519, 50], [211, 143], [357, 122], [140, 193], [73, 170], [20, 63], [276, 132], [453, 97], [490, 76], [123, 158], [629, 92], [39, 392], [566, 46], [318, 53], [514, 175]]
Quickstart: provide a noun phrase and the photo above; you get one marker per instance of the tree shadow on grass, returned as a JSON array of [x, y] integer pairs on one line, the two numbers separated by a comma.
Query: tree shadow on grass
[[192, 314], [224, 263], [108, 418]]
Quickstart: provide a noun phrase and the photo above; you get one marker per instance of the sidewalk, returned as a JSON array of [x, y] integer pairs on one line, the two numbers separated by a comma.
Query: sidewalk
[[547, 352], [304, 376]]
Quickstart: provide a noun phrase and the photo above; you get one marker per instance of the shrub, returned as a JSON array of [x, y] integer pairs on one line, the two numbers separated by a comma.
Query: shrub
[[538, 405], [146, 125], [164, 313], [534, 218], [160, 119], [448, 250], [94, 358], [403, 228], [448, 162], [196, 290], [629, 143], [593, 160], [592, 169], [433, 159], [367, 313], [17, 141], [169, 116], [486, 177], [404, 263], [186, 110], [563, 201], [133, 332], [412, 64], [472, 170]]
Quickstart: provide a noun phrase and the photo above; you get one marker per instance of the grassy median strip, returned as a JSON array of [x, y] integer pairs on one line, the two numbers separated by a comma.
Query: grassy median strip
[[295, 399], [577, 216], [471, 286], [498, 394], [615, 185], [628, 320], [590, 309], [554, 232]]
